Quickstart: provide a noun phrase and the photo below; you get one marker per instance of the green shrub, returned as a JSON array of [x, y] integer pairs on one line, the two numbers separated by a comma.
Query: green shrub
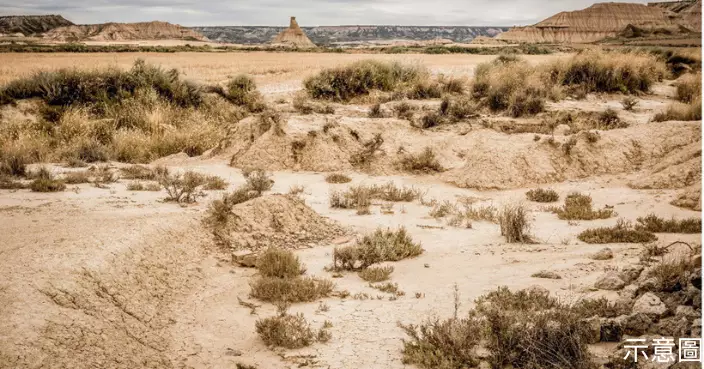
[[622, 232], [359, 79], [655, 224], [579, 207], [380, 246], [542, 195]]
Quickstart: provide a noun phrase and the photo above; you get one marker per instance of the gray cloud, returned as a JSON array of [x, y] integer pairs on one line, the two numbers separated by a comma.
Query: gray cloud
[[308, 12]]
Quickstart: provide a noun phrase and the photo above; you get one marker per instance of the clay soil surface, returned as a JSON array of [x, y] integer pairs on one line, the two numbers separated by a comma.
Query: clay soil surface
[[107, 277]]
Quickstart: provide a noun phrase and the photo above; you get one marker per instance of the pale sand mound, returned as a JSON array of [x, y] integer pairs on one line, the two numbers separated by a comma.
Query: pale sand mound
[[690, 198], [277, 220], [594, 23], [680, 168], [496, 164], [123, 32], [293, 36]]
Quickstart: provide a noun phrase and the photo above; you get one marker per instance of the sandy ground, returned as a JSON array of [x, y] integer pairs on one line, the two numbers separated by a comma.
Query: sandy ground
[[113, 278]]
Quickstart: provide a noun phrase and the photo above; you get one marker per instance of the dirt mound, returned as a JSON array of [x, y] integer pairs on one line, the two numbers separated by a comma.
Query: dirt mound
[[31, 24], [595, 23], [293, 36], [690, 198], [124, 32], [277, 220], [524, 161], [678, 169]]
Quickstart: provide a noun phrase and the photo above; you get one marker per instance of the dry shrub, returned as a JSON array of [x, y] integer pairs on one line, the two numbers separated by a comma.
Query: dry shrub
[[425, 89], [285, 330], [360, 78], [242, 91], [388, 287], [279, 263], [375, 111], [542, 195], [362, 195], [579, 207], [44, 181], [622, 232], [680, 111], [139, 186], [376, 273], [689, 88], [608, 119], [214, 183], [425, 162], [628, 103], [486, 213], [183, 188], [432, 119], [13, 162], [525, 102], [218, 212], [442, 344], [404, 110], [304, 106], [514, 224], [380, 246], [293, 290], [337, 178], [443, 209], [258, 180], [655, 224], [452, 85], [673, 275], [142, 172]]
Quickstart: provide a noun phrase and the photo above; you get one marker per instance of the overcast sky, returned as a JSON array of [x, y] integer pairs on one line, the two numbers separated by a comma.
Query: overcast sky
[[308, 12]]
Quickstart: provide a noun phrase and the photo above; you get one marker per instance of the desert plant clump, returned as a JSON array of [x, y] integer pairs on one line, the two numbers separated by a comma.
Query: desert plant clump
[[242, 90], [377, 247], [404, 110], [514, 223], [375, 111], [360, 78], [388, 287], [139, 186], [77, 177], [183, 187], [424, 89], [579, 207], [214, 183], [337, 178], [13, 163], [689, 88], [655, 224], [608, 119], [304, 106], [364, 156], [285, 330], [361, 196], [629, 103], [542, 195], [279, 263], [218, 212], [258, 180], [622, 232], [142, 172], [376, 273], [292, 290], [673, 274], [680, 111], [44, 181], [442, 344], [425, 161]]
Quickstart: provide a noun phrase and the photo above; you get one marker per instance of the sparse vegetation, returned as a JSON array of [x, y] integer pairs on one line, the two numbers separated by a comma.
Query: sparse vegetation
[[629, 102], [360, 78], [375, 111], [258, 180], [139, 186], [404, 110], [689, 88], [424, 161], [680, 111], [292, 290], [672, 274], [376, 273], [655, 224], [542, 195], [279, 263], [514, 224], [622, 232], [608, 119], [285, 330], [44, 181], [183, 187], [362, 195], [579, 207], [337, 178], [77, 177], [377, 247], [365, 155]]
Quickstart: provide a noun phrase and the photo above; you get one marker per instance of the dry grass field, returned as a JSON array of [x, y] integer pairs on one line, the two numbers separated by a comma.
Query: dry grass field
[[347, 210]]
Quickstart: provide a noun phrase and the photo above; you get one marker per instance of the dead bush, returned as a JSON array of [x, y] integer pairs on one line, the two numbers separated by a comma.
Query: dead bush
[[689, 88], [376, 273], [655, 224], [44, 181], [380, 246], [680, 111], [404, 110], [218, 212], [431, 119], [608, 119], [388, 287], [425, 162], [139, 186], [622, 232], [579, 207], [214, 183], [514, 224], [542, 195], [375, 111], [258, 180], [13, 163], [425, 89], [305, 106], [443, 209], [279, 263], [365, 155], [525, 103], [442, 344], [183, 188], [629, 102], [337, 178], [292, 290]]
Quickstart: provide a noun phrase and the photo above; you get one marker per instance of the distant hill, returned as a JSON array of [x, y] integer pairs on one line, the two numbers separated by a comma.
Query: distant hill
[[606, 20], [124, 32], [327, 35], [31, 24]]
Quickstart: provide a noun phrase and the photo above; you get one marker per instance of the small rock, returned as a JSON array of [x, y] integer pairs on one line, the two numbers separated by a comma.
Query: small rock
[[648, 285], [593, 329], [637, 324], [686, 311], [231, 352], [426, 265], [603, 254], [649, 304], [610, 281], [672, 327], [696, 279], [628, 292], [697, 328], [630, 273]]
